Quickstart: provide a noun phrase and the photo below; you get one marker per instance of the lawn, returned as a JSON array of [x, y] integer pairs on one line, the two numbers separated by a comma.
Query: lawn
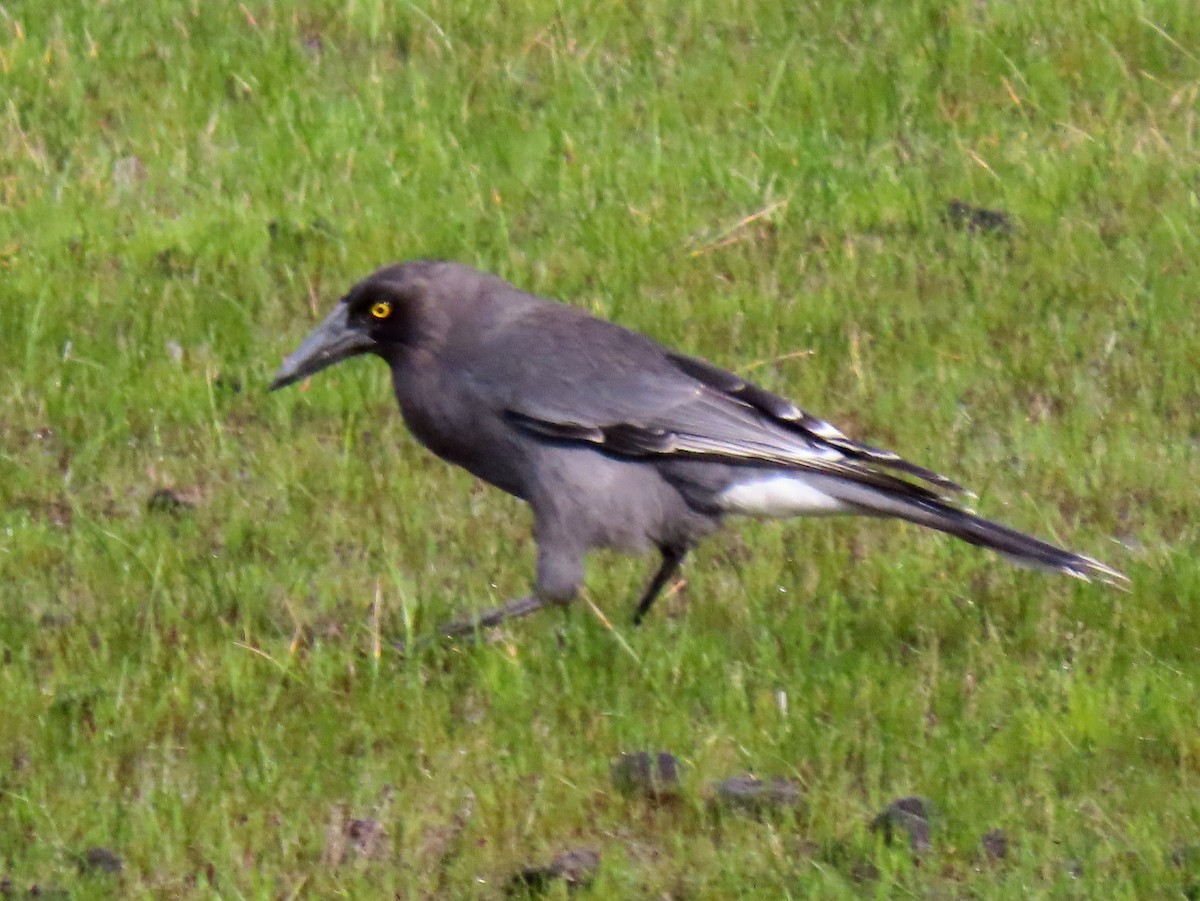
[[200, 582]]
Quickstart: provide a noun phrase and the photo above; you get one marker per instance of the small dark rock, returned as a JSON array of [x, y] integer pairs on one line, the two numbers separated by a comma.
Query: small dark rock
[[366, 836], [654, 776], [994, 844], [346, 835], [100, 860], [1073, 868], [910, 815], [164, 500], [755, 795], [977, 219], [576, 867]]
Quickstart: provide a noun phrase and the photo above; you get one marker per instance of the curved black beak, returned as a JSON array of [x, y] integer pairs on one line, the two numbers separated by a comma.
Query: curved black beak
[[334, 340]]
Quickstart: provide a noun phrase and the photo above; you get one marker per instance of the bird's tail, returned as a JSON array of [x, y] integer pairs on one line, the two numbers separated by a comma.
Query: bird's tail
[[923, 509]]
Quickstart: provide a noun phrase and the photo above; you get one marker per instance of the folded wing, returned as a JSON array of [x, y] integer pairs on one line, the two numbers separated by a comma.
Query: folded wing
[[634, 397]]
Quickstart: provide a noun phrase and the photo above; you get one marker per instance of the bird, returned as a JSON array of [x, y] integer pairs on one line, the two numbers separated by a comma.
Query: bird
[[615, 440]]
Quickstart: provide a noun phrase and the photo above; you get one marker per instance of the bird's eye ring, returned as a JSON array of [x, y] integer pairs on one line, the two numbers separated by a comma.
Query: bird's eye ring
[[381, 310]]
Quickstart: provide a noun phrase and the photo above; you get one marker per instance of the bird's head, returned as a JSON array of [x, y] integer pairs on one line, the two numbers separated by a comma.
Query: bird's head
[[376, 316]]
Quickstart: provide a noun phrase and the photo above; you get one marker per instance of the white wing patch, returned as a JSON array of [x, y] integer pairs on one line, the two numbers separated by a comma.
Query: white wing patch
[[779, 495]]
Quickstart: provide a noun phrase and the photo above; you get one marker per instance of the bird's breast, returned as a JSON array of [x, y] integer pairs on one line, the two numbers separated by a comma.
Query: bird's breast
[[461, 428]]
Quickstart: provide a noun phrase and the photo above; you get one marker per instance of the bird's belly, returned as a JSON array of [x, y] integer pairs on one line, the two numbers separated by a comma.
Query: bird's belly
[[603, 501], [779, 494]]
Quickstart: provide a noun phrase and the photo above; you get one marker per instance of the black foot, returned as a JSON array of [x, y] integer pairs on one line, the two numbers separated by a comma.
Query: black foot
[[470, 628], [672, 559]]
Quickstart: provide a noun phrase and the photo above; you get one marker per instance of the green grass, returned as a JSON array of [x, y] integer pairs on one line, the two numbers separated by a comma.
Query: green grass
[[184, 186]]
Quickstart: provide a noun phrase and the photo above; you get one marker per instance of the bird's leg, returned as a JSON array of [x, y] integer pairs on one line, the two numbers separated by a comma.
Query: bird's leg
[[494, 617], [471, 628], [560, 572], [672, 558]]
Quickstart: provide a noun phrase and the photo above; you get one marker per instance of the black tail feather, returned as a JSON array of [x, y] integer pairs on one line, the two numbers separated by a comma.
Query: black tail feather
[[1017, 546], [901, 501]]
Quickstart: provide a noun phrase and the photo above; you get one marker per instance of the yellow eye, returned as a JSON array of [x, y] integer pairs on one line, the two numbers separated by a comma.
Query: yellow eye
[[381, 310]]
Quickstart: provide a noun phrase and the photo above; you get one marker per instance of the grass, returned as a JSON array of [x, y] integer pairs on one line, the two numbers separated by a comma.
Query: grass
[[185, 186]]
